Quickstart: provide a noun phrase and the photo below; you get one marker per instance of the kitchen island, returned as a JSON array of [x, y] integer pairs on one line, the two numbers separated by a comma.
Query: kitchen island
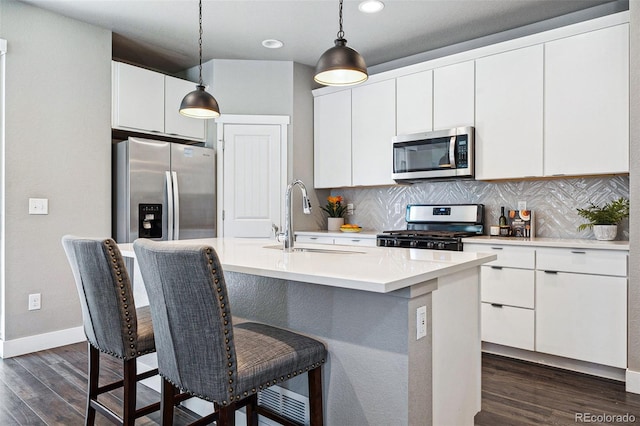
[[402, 326]]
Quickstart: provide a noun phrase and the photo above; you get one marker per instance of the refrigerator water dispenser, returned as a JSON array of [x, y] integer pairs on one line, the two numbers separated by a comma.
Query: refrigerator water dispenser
[[150, 220]]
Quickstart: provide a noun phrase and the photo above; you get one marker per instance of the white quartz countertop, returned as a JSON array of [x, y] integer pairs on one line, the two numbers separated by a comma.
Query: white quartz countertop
[[578, 243], [374, 269]]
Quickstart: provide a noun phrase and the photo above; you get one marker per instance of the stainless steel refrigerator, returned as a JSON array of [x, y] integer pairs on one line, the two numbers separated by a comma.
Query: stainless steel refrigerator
[[163, 191]]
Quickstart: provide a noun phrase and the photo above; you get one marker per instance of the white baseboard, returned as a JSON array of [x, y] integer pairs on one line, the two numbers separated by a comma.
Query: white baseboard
[[599, 370], [633, 381], [40, 342]]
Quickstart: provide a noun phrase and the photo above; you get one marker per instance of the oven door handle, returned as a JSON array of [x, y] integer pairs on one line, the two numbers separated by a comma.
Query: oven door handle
[[452, 152]]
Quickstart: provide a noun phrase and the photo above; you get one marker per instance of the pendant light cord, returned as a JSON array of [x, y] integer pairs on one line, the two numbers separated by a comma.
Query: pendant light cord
[[340, 33], [200, 44]]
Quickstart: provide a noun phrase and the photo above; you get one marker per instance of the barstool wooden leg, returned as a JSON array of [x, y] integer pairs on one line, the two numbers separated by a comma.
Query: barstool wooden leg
[[227, 415], [168, 394], [252, 410], [92, 391], [315, 397], [129, 412]]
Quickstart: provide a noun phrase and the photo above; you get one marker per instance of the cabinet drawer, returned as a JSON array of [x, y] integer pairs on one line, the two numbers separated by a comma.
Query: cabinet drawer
[[355, 241], [315, 240], [506, 286], [508, 326], [600, 262], [510, 256]]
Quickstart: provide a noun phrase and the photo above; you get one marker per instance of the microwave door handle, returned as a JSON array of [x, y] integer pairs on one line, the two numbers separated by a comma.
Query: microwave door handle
[[452, 152]]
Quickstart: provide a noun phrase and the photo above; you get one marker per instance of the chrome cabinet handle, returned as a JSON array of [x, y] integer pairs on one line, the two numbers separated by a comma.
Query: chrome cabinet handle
[[497, 267], [578, 252], [496, 305]]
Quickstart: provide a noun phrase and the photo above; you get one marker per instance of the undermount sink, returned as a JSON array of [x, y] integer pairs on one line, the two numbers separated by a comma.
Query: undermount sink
[[315, 250]]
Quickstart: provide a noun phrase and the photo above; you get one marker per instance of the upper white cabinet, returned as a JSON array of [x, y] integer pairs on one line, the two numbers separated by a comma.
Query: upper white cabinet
[[137, 99], [176, 124], [414, 103], [332, 140], [148, 102], [453, 96], [587, 103], [509, 114], [374, 124]]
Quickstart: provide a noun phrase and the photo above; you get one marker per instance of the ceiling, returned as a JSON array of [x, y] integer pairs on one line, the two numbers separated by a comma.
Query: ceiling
[[163, 34]]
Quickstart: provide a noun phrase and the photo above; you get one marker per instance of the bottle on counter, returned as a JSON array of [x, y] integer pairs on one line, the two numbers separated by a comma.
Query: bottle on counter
[[502, 221]]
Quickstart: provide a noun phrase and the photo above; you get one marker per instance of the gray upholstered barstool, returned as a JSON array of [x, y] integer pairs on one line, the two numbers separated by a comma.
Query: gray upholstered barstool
[[199, 349], [112, 324]]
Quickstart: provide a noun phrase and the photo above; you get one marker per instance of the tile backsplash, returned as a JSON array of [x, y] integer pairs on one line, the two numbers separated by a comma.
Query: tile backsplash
[[554, 202]]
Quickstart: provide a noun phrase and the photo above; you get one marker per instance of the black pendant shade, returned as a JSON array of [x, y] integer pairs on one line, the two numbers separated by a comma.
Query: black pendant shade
[[200, 103], [341, 65]]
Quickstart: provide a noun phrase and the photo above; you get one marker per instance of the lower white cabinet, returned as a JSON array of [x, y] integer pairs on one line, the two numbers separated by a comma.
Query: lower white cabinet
[[507, 325], [365, 240], [581, 305], [565, 302]]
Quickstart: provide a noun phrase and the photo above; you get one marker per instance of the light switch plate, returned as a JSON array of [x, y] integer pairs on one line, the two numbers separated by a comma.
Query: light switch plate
[[38, 206]]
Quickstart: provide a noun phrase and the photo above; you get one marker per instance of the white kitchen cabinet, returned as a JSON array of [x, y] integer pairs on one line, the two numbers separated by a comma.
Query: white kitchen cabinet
[[507, 295], [453, 96], [314, 239], [509, 114], [367, 239], [582, 316], [374, 125], [332, 140], [137, 98], [148, 102], [587, 103], [176, 124], [414, 103]]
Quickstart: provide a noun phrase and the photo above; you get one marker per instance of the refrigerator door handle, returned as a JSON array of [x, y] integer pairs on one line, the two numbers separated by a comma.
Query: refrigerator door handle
[[176, 207], [169, 205]]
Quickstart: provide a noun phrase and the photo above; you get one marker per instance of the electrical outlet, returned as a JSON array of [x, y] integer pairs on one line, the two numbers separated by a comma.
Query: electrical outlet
[[522, 205], [421, 322], [34, 301], [350, 209]]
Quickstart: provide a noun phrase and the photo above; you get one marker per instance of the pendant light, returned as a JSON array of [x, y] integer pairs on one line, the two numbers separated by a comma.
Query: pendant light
[[341, 65], [200, 103]]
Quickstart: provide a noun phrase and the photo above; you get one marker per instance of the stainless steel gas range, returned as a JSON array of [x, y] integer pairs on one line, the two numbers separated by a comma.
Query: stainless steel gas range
[[436, 227]]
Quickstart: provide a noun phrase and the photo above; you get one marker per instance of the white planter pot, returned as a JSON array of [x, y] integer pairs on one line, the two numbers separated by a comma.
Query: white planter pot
[[334, 223], [605, 232]]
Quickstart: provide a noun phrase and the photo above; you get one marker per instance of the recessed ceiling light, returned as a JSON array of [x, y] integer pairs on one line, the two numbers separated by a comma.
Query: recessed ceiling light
[[272, 43], [371, 6]]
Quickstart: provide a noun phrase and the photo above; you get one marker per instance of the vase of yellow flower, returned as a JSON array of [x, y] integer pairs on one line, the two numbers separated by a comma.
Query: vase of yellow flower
[[336, 211]]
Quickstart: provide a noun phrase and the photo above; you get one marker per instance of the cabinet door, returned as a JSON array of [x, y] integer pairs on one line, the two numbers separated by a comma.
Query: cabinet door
[[509, 108], [587, 103], [138, 98], [453, 94], [582, 317], [374, 124], [332, 140], [176, 124], [414, 103]]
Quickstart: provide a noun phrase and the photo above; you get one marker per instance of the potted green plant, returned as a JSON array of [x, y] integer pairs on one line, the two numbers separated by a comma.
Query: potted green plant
[[605, 220]]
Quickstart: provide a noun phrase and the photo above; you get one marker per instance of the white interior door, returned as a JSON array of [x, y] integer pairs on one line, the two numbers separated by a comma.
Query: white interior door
[[252, 170]]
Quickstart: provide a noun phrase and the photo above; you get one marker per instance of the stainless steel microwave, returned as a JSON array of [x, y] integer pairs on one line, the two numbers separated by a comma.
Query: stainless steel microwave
[[441, 154]]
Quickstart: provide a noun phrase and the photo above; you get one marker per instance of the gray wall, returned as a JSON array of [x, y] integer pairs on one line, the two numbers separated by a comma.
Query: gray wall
[[270, 88], [634, 158], [554, 202], [57, 146]]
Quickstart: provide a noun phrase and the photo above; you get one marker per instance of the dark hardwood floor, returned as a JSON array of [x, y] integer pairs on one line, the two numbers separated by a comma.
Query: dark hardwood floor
[[48, 388]]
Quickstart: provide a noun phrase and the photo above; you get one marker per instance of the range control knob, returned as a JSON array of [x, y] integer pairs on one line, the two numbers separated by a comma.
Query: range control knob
[[430, 244], [413, 244], [440, 246]]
